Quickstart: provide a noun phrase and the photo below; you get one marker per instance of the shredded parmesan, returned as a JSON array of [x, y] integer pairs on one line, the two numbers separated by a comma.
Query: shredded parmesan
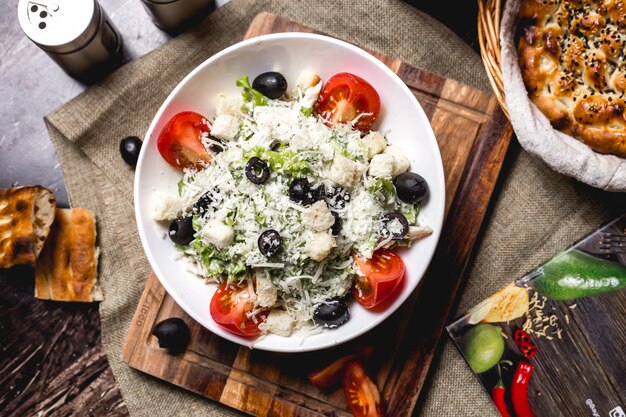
[[294, 144]]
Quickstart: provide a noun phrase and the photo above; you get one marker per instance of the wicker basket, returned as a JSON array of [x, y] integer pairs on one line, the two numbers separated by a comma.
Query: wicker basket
[[489, 14]]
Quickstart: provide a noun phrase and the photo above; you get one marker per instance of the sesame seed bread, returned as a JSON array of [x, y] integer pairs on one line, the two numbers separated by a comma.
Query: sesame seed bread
[[571, 56]]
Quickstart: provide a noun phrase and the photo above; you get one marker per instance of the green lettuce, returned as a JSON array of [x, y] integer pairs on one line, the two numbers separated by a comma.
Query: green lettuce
[[410, 211], [383, 191], [249, 94], [279, 161]]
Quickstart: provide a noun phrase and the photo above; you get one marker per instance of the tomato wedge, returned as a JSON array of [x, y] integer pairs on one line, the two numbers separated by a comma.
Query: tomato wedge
[[382, 274], [332, 375], [361, 393], [345, 97], [179, 142], [229, 307]]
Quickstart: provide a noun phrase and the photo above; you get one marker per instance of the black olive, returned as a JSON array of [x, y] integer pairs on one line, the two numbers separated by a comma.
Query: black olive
[[215, 148], [269, 242], [202, 205], [298, 189], [181, 231], [411, 187], [332, 313], [270, 84], [337, 198], [338, 225], [388, 222], [173, 335], [129, 148], [257, 170], [314, 195]]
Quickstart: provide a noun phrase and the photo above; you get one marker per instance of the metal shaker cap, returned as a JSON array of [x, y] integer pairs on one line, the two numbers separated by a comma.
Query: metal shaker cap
[[59, 26]]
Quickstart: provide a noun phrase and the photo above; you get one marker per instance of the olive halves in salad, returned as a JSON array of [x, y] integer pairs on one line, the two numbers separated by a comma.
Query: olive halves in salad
[[215, 147], [298, 189], [338, 225], [181, 231], [411, 187], [257, 170], [269, 242], [337, 198], [173, 335], [394, 225], [314, 195], [202, 205], [271, 84], [332, 313]]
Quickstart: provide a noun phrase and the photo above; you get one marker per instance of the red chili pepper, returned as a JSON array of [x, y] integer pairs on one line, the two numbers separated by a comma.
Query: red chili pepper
[[523, 340], [497, 394], [519, 390], [522, 337], [528, 350]]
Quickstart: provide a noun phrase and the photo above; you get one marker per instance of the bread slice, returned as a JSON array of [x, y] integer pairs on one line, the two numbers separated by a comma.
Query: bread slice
[[67, 268], [26, 214]]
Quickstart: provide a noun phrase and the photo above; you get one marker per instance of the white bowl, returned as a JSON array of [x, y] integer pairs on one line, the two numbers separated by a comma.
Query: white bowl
[[290, 54]]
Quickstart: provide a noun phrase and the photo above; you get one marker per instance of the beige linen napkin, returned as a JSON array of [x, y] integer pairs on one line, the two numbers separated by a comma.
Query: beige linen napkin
[[538, 211]]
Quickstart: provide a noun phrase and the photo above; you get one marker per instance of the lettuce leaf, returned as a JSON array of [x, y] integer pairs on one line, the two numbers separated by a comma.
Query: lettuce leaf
[[249, 94], [383, 191], [410, 211], [279, 161]]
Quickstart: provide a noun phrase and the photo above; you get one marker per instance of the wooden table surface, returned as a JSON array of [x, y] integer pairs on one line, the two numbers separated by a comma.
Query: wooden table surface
[[51, 359]]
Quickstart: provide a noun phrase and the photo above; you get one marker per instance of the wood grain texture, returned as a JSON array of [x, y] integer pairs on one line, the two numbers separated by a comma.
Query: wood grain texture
[[580, 364], [587, 362], [473, 136], [51, 363]]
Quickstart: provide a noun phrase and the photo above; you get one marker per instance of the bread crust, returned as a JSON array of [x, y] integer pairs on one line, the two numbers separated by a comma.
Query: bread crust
[[67, 267], [572, 58], [26, 214]]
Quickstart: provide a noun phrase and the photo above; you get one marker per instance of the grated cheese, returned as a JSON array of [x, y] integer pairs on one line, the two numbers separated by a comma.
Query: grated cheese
[[248, 209]]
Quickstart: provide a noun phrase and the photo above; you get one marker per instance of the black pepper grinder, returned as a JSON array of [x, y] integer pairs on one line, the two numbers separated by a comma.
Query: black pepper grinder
[[175, 15]]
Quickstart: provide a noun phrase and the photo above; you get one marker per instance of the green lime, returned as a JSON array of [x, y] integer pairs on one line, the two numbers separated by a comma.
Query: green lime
[[483, 346]]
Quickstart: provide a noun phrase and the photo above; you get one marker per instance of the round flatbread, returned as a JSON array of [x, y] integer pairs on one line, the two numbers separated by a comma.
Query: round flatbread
[[572, 58]]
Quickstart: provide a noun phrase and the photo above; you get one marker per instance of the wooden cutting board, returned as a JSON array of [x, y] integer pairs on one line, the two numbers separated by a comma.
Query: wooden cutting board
[[473, 136]]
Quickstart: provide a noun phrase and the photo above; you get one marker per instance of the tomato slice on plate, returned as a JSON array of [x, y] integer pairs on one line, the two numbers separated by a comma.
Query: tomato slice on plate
[[381, 275], [179, 142], [330, 376], [344, 97], [229, 307], [361, 393]]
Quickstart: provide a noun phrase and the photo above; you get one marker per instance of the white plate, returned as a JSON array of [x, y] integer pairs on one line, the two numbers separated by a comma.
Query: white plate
[[290, 54]]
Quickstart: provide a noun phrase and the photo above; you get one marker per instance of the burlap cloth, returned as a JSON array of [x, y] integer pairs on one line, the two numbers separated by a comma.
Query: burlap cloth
[[536, 212]]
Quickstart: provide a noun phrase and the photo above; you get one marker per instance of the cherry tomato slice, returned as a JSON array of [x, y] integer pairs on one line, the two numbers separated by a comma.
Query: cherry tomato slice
[[361, 393], [179, 142], [229, 306], [382, 274], [332, 375], [344, 97]]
